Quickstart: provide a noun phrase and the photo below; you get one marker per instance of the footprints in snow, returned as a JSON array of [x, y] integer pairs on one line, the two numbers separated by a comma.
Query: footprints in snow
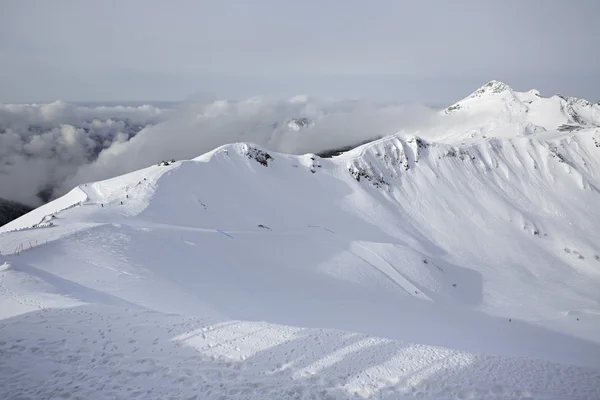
[[23, 300], [578, 255], [129, 354], [537, 232]]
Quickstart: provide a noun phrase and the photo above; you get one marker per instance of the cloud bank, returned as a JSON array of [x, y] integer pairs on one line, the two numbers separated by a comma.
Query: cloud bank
[[45, 150], [42, 145]]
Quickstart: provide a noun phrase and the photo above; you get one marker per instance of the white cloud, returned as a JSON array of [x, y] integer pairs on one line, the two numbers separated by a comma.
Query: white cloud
[[42, 145], [198, 128], [58, 145], [52, 147]]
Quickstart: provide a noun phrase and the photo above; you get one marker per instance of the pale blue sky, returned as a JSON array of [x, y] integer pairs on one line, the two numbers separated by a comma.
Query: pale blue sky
[[433, 51]]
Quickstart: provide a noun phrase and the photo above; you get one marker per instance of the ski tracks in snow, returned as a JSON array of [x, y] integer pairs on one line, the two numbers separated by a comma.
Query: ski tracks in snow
[[371, 257]]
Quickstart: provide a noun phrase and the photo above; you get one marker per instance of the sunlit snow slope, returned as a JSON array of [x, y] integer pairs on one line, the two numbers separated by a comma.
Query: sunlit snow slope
[[457, 266]]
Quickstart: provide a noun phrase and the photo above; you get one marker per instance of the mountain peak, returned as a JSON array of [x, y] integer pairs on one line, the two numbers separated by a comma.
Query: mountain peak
[[535, 92], [492, 87]]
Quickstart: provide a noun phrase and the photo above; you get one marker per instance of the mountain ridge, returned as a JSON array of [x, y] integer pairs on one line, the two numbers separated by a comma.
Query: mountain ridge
[[422, 264], [577, 111]]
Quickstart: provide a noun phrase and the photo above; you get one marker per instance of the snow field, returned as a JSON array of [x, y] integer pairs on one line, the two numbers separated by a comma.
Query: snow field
[[406, 268]]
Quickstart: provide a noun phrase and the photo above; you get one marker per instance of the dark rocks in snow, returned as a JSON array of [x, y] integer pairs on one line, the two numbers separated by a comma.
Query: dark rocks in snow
[[559, 157], [452, 108], [597, 257], [260, 156], [556, 155], [534, 230], [358, 173], [569, 128], [568, 108], [263, 226], [314, 163], [492, 87], [395, 156], [421, 144], [418, 146], [164, 163], [460, 153], [450, 153]]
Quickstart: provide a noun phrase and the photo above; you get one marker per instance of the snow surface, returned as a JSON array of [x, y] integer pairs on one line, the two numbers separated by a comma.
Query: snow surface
[[496, 110], [410, 267]]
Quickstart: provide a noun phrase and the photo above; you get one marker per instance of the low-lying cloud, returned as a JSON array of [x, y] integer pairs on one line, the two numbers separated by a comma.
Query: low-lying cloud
[[44, 145], [45, 150]]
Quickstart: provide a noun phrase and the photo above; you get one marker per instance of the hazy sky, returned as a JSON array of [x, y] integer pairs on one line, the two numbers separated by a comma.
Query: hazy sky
[[434, 51]]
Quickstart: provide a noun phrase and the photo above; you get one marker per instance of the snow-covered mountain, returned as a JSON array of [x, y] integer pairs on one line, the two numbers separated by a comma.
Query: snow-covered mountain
[[462, 261], [495, 109]]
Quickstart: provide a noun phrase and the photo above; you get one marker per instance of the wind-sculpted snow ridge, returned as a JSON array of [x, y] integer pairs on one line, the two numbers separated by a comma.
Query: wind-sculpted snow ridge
[[415, 266]]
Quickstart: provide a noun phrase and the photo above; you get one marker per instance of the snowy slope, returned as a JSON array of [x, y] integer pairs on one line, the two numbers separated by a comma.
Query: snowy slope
[[406, 268], [496, 110]]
